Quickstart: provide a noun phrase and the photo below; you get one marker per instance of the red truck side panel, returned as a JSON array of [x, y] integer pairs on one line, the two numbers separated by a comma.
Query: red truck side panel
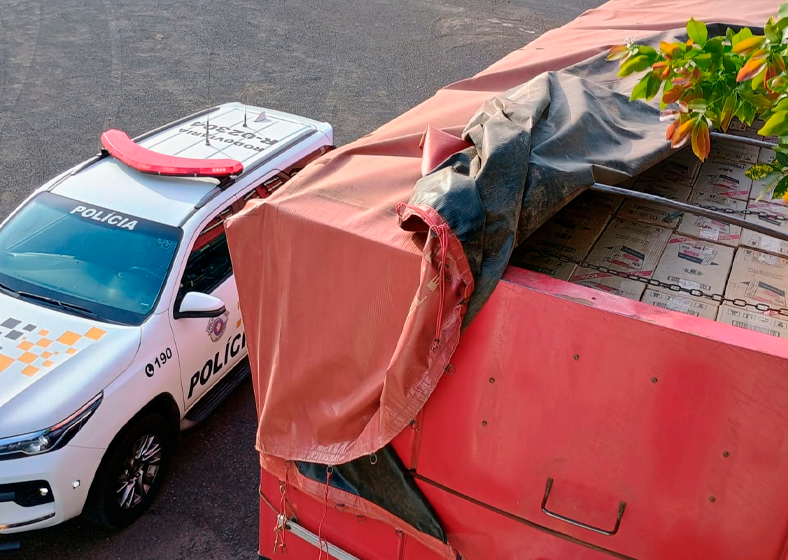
[[616, 401]]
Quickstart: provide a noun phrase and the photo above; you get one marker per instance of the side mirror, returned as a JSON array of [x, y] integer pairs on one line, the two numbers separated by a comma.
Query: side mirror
[[195, 305]]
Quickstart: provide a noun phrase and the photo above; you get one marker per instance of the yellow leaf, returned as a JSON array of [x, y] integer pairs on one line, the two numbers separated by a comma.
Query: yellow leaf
[[747, 45]]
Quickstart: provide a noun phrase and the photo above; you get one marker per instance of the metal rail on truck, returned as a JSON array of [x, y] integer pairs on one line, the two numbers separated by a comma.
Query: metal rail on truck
[[318, 542]]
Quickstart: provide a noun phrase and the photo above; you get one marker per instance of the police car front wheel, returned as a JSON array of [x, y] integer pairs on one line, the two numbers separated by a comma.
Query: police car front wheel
[[131, 472]]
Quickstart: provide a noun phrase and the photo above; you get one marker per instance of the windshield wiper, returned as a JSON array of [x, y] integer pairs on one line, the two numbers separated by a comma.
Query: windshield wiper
[[68, 307], [9, 290]]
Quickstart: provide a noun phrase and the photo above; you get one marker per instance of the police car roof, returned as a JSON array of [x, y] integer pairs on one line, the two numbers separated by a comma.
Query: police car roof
[[169, 200]]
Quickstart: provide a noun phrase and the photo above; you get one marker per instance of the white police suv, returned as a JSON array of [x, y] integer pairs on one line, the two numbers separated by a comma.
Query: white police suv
[[119, 315]]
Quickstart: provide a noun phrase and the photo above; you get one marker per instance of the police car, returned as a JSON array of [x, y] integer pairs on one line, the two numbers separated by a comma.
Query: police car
[[119, 315]]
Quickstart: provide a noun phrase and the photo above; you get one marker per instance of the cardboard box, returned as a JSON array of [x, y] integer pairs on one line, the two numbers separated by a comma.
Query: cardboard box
[[746, 318], [764, 242], [603, 202], [681, 302], [758, 277], [733, 151], [626, 246], [710, 229], [571, 232], [766, 155], [680, 168], [762, 190], [738, 128], [540, 263], [757, 125], [695, 264], [724, 177], [653, 212]]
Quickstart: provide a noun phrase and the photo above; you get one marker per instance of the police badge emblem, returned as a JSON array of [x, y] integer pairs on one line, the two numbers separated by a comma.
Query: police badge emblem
[[217, 326]]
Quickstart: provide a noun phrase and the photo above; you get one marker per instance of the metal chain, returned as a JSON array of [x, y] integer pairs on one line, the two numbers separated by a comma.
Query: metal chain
[[717, 298], [763, 215]]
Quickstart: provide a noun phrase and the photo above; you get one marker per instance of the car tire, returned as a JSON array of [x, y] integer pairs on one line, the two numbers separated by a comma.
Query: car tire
[[131, 472]]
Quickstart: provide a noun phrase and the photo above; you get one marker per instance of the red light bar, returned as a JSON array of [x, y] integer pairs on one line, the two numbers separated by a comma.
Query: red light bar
[[123, 148]]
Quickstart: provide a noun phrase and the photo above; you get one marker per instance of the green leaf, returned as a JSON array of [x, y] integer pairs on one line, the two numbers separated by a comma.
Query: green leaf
[[727, 111], [697, 104], [697, 31], [714, 45], [776, 125], [703, 60], [729, 34], [740, 36], [782, 159], [781, 188], [746, 112], [646, 50], [783, 11], [641, 89], [772, 32], [652, 87], [634, 64], [782, 105], [760, 101]]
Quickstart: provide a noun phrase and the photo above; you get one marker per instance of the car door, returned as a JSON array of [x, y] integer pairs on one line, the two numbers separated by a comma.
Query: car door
[[208, 347]]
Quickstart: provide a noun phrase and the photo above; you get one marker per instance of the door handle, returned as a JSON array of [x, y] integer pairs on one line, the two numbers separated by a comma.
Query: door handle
[[621, 507]]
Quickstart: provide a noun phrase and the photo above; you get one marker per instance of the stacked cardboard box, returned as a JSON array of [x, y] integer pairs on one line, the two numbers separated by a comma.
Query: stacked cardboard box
[[768, 215], [752, 320], [711, 229], [758, 277], [724, 177], [687, 251], [625, 246], [681, 302], [734, 151], [680, 168], [570, 233], [653, 212]]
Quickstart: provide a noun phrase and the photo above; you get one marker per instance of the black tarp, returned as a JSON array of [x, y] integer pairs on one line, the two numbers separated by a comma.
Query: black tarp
[[536, 147]]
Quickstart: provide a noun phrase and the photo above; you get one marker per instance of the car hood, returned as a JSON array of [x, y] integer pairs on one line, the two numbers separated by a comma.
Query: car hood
[[51, 363]]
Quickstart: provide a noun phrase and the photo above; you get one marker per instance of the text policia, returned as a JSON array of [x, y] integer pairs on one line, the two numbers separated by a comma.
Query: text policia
[[214, 366]]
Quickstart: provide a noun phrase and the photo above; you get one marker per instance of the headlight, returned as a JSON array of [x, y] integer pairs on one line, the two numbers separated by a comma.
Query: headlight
[[49, 439]]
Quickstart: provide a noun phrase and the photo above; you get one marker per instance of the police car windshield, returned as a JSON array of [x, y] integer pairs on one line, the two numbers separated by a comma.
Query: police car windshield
[[87, 258]]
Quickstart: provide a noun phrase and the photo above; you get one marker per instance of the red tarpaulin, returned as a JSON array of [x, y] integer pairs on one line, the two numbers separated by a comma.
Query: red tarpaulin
[[349, 325]]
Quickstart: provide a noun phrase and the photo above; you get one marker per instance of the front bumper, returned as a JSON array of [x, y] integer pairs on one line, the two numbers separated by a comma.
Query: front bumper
[[61, 470]]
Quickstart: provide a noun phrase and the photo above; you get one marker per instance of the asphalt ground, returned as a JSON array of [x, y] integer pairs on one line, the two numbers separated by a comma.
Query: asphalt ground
[[70, 69]]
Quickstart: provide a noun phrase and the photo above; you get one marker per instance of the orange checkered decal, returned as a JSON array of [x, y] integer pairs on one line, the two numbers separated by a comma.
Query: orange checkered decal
[[30, 350]]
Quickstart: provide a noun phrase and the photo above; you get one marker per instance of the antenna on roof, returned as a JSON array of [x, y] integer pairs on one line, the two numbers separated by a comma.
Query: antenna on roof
[[208, 115], [246, 104]]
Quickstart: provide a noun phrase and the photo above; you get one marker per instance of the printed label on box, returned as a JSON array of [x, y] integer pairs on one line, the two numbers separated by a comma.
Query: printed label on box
[[733, 151], [624, 246], [695, 264], [724, 177], [653, 212], [710, 229], [758, 277], [752, 320], [683, 303], [768, 215]]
